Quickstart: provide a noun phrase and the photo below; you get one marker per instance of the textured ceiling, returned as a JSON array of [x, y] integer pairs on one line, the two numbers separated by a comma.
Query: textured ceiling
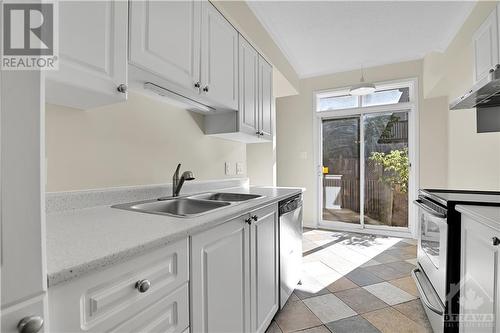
[[321, 37]]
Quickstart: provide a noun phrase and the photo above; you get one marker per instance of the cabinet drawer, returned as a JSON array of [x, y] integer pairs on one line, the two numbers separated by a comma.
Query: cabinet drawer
[[103, 300], [169, 314]]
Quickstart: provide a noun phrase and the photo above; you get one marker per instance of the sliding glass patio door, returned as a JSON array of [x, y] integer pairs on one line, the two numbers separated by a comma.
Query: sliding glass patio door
[[366, 169]]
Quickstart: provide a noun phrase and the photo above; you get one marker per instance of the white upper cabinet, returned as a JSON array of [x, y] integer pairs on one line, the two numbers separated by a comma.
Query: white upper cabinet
[[485, 47], [165, 40], [265, 99], [219, 58], [92, 54], [248, 110]]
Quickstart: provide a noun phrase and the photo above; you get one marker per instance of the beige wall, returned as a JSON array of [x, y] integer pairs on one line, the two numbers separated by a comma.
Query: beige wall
[[295, 139], [136, 142], [473, 159], [261, 164]]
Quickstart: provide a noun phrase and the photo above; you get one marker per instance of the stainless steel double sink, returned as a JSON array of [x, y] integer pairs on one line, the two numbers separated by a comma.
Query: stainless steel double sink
[[188, 206]]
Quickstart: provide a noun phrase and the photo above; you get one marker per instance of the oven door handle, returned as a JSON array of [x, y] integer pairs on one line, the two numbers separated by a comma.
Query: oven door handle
[[423, 295], [429, 210]]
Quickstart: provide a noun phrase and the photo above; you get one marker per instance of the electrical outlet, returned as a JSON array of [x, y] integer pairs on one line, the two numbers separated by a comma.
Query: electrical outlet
[[239, 168], [228, 168]]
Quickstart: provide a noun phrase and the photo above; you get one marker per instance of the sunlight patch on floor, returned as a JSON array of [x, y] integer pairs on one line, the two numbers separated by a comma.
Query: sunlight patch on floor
[[329, 255]]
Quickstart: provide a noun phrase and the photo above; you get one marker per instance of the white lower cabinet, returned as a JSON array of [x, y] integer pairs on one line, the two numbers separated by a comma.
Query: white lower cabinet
[[264, 267], [479, 277], [234, 270], [110, 300]]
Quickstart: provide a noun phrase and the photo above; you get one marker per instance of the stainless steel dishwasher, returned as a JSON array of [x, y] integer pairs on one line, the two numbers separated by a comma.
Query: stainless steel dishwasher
[[290, 221]]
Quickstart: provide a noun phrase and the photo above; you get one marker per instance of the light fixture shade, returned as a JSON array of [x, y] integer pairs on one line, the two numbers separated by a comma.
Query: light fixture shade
[[363, 88]]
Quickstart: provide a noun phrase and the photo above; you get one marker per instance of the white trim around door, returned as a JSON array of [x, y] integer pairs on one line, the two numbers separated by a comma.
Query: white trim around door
[[413, 139]]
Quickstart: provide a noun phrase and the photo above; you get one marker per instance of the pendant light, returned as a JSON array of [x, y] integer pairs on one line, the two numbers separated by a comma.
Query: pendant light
[[362, 88]]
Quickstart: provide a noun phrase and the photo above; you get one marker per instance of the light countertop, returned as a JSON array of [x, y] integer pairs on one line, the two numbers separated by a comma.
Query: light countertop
[[489, 215], [82, 240]]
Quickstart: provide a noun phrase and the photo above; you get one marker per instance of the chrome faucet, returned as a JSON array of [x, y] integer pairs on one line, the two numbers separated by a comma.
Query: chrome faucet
[[178, 182]]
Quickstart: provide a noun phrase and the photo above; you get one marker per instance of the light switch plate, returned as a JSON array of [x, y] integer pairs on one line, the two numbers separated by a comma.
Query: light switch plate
[[239, 168], [228, 168]]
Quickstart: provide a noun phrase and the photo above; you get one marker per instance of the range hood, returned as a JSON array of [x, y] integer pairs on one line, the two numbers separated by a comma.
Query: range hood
[[484, 94]]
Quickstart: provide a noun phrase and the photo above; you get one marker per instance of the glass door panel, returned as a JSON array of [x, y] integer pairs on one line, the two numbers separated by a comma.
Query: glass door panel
[[386, 169], [341, 170]]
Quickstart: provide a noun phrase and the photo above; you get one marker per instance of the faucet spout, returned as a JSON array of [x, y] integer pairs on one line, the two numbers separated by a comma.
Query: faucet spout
[[178, 182]]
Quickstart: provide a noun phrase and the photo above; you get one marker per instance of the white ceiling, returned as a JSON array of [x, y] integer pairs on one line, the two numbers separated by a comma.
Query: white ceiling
[[322, 37]]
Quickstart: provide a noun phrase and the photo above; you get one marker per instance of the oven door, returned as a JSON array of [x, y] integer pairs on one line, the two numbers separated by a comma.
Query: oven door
[[432, 246]]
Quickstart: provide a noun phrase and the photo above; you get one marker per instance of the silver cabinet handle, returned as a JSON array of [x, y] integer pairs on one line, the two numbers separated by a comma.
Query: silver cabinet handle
[[31, 324], [122, 88], [205, 89], [143, 285], [495, 241], [197, 84]]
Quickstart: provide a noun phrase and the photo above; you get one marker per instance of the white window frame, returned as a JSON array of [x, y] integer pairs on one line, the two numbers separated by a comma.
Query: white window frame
[[413, 143]]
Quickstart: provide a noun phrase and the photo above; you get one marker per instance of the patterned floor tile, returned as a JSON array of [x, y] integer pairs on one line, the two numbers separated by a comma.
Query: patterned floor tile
[[360, 300], [415, 311], [355, 324], [317, 329], [385, 258], [389, 293], [329, 308], [341, 284], [371, 263], [386, 272], [296, 316], [407, 284], [412, 261], [273, 328], [401, 266], [400, 255], [362, 277], [389, 320]]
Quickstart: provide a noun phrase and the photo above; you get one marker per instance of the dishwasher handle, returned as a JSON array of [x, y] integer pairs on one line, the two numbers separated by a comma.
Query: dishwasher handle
[[290, 205]]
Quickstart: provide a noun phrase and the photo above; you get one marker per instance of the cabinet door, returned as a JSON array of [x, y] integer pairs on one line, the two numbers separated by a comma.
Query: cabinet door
[[265, 99], [93, 54], [248, 68], [479, 276], [219, 59], [264, 267], [23, 273], [485, 46], [220, 290], [165, 40]]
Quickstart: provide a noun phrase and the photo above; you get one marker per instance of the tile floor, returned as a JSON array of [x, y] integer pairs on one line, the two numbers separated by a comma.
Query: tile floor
[[354, 283]]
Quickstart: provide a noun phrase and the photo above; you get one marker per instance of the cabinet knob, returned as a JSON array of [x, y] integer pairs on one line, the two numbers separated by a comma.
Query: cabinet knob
[[495, 241], [143, 285], [31, 324], [258, 133], [255, 218], [122, 88], [197, 84], [205, 89], [248, 221], [261, 133]]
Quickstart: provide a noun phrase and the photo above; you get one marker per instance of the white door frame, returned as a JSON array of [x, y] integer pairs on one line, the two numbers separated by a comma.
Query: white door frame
[[413, 145]]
